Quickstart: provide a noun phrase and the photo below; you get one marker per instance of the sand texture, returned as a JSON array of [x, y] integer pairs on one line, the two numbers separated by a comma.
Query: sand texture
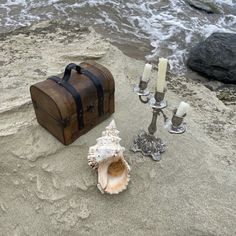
[[49, 189]]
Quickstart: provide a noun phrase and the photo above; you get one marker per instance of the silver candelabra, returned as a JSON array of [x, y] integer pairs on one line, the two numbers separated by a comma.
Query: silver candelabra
[[147, 142]]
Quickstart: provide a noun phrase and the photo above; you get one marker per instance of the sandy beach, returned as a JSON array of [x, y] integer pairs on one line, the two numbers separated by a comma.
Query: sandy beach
[[49, 189]]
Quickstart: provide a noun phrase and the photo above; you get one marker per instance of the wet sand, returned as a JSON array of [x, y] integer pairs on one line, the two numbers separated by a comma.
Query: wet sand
[[49, 189]]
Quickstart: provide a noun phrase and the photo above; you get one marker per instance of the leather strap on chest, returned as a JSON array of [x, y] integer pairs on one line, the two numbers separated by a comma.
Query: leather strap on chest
[[98, 85], [75, 95]]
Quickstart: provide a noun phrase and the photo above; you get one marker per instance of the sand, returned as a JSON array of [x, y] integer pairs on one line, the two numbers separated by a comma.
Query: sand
[[49, 189]]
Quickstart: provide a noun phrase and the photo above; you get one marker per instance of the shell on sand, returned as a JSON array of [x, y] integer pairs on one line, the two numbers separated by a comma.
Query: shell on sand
[[107, 157]]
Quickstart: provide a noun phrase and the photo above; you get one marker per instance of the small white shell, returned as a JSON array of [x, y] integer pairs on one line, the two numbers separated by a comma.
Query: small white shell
[[107, 157]]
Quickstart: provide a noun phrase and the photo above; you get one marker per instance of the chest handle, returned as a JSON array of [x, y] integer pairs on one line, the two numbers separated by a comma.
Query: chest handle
[[96, 82], [68, 70]]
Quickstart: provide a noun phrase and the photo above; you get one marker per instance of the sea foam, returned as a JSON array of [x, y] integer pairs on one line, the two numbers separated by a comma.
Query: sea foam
[[172, 27]]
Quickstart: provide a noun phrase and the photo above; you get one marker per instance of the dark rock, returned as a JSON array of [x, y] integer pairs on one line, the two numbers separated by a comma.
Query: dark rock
[[215, 57]]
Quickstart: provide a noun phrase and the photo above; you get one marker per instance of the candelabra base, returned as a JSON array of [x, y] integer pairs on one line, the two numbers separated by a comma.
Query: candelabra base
[[149, 145]]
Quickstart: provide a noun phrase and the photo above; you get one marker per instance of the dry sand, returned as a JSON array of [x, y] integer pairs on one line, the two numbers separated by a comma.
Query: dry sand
[[49, 189]]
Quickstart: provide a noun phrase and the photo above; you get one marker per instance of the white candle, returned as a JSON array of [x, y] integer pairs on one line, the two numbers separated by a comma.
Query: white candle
[[146, 72], [182, 109], [161, 77]]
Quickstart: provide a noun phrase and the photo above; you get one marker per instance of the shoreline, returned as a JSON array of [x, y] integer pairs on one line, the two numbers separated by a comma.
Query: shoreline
[[136, 49]]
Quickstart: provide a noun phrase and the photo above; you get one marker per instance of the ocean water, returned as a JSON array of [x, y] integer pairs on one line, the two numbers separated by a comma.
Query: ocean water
[[160, 28]]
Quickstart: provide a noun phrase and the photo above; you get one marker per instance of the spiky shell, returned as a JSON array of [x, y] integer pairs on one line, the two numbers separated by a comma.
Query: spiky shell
[[107, 146]]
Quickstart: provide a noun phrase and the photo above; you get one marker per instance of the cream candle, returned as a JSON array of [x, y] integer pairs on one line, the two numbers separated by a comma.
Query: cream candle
[[146, 72], [182, 109], [161, 77]]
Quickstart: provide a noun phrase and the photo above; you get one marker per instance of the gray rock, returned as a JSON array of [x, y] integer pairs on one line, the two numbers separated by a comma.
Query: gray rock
[[215, 58]]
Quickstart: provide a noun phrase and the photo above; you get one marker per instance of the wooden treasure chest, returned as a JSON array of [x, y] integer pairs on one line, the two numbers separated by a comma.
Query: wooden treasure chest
[[70, 106]]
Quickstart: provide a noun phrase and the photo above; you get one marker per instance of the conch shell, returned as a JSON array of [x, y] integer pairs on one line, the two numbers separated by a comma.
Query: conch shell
[[107, 157]]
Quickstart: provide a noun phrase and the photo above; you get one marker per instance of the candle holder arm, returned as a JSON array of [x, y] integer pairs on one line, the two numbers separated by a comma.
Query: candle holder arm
[[164, 116], [142, 100]]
